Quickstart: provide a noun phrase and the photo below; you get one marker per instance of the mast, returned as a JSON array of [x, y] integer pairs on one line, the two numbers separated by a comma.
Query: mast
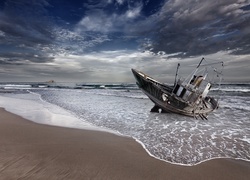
[[196, 70], [200, 63], [176, 74]]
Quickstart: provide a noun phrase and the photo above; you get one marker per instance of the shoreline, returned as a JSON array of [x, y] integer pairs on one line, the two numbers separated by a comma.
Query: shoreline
[[47, 117], [43, 112], [37, 151], [187, 165]]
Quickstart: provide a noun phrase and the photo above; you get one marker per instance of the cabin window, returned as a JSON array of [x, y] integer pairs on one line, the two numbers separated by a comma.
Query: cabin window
[[192, 81], [183, 92], [176, 88]]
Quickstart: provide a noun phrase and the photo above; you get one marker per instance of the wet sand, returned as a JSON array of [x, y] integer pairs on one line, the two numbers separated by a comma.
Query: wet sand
[[34, 151]]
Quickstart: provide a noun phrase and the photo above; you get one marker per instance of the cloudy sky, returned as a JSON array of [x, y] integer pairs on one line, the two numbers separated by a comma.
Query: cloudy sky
[[101, 40]]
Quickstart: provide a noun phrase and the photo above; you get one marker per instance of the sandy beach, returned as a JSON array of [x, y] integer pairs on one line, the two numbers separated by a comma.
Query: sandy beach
[[34, 151]]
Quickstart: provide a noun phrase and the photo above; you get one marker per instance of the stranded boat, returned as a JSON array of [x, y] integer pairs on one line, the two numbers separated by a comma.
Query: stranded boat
[[187, 97]]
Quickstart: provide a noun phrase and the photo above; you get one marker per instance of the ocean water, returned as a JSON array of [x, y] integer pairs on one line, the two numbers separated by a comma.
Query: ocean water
[[123, 108]]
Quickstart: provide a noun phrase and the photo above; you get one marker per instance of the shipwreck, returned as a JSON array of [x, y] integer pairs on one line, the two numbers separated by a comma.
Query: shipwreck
[[188, 96]]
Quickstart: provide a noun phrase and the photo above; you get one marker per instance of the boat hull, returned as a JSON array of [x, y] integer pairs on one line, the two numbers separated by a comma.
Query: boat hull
[[163, 97]]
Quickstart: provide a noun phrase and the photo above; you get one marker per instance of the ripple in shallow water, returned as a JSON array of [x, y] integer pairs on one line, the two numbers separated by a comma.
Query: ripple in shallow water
[[170, 137]]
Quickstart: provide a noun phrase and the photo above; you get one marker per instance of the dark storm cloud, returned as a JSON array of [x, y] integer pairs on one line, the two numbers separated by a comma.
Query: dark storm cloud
[[25, 31], [26, 22], [192, 28], [15, 58], [64, 39]]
